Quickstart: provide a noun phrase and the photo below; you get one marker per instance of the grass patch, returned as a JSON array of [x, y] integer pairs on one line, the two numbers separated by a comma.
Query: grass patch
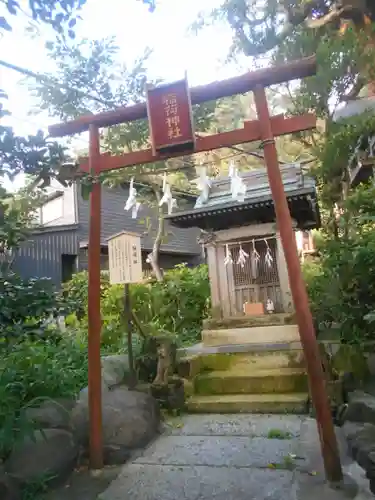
[[279, 434], [287, 463]]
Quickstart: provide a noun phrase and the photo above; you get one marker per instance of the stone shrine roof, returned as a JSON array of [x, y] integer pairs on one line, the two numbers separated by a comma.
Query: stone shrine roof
[[222, 212]]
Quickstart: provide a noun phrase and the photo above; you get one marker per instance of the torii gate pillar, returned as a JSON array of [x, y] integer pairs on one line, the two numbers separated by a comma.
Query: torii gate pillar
[[305, 322]]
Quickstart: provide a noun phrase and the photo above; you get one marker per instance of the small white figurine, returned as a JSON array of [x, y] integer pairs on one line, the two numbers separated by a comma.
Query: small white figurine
[[270, 308]]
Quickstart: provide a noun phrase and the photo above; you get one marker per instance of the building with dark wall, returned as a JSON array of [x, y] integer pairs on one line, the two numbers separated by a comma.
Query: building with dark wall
[[59, 247]]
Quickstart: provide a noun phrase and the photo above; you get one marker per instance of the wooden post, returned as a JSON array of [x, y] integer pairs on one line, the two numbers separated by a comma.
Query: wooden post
[[128, 323], [286, 298], [94, 316], [318, 390]]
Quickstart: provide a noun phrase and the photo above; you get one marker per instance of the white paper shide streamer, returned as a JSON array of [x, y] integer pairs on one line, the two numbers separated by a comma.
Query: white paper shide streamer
[[167, 198], [203, 185], [268, 257], [242, 257], [132, 203], [254, 261], [228, 256], [237, 186]]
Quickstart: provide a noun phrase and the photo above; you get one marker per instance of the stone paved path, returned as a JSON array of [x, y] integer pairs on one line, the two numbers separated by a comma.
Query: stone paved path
[[233, 457]]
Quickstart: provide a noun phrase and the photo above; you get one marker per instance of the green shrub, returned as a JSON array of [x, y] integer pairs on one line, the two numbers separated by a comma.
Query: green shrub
[[342, 287], [76, 291], [33, 371], [176, 305], [25, 305]]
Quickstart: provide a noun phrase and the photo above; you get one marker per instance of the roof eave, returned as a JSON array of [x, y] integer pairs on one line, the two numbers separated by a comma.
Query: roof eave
[[207, 211]]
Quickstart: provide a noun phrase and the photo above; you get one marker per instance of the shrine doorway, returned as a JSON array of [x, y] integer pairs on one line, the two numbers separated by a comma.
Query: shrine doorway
[[257, 278]]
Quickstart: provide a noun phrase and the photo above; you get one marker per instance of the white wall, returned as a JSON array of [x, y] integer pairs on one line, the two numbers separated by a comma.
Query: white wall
[[62, 210]]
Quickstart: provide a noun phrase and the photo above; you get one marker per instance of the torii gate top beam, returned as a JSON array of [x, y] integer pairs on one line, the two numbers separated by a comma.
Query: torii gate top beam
[[215, 90]]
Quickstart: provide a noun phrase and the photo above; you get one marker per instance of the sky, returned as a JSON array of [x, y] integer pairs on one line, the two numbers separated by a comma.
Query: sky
[[175, 50]]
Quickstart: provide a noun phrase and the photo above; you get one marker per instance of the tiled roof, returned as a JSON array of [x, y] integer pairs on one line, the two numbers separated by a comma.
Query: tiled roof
[[296, 184]]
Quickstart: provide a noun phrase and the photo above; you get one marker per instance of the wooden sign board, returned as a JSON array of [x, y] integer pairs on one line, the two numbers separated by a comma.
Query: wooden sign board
[[253, 309], [170, 118], [125, 258]]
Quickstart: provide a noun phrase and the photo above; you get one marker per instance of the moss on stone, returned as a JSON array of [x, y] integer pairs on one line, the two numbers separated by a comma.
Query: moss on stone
[[277, 403], [218, 362], [249, 321], [222, 383], [188, 388], [296, 358], [347, 359], [189, 366]]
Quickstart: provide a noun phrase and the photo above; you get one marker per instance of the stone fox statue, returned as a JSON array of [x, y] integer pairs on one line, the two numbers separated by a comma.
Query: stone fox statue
[[166, 358]]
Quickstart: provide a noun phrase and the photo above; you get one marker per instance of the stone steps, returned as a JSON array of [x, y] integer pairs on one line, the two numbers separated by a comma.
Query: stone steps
[[244, 361], [249, 403], [260, 373], [251, 335], [250, 381], [249, 321]]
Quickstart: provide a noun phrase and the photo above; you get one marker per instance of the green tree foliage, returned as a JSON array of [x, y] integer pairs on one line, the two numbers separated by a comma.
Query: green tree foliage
[[283, 31], [26, 305], [288, 30], [60, 14], [341, 292], [40, 159], [35, 363], [334, 151], [340, 285], [259, 27], [35, 155], [151, 4]]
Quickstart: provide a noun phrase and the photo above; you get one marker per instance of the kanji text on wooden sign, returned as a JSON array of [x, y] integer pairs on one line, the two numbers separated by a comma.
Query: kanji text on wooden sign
[[125, 259], [170, 117]]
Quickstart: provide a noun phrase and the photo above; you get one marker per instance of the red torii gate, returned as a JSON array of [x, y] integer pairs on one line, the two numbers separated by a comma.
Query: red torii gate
[[264, 129]]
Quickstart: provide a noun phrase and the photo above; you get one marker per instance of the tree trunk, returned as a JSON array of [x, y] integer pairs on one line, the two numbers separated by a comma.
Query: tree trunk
[[153, 257], [333, 223], [364, 23]]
